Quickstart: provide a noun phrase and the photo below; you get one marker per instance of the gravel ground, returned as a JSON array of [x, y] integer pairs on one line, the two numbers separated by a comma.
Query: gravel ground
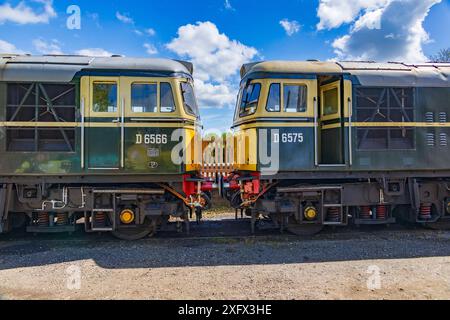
[[411, 264]]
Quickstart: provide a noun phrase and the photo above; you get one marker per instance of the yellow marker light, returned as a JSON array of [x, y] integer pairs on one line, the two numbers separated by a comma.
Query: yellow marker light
[[310, 213], [127, 216]]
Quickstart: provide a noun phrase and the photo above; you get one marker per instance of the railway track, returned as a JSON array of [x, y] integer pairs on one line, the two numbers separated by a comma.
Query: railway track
[[231, 230]]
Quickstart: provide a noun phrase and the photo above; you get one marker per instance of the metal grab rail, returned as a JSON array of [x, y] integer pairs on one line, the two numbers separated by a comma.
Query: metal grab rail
[[316, 133], [82, 131], [122, 135], [350, 131]]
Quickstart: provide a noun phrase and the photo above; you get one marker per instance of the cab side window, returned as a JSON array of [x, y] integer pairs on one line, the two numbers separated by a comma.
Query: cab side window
[[189, 100], [295, 98], [105, 97], [250, 99], [166, 97], [331, 102], [144, 98], [274, 99]]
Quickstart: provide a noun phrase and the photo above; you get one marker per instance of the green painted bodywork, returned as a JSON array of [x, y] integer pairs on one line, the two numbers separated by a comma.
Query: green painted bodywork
[[300, 157], [102, 151]]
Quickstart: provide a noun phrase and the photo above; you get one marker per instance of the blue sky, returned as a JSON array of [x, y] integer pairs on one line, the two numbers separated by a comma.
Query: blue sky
[[230, 32]]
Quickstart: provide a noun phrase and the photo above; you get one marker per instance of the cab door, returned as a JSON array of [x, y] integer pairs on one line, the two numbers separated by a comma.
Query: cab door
[[331, 125], [105, 124]]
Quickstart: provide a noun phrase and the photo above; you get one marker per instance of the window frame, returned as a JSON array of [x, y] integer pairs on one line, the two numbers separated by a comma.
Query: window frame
[[117, 96], [328, 87], [131, 97], [238, 101], [279, 84], [282, 95], [283, 83], [183, 101], [173, 98], [129, 107], [239, 104], [104, 80]]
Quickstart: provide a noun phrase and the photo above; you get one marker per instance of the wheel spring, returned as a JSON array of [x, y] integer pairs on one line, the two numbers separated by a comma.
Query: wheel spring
[[425, 211], [43, 219], [334, 215], [381, 212], [100, 218], [366, 213], [62, 219]]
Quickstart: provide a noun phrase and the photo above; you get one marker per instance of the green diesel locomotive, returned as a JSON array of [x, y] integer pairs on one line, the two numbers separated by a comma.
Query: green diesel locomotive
[[108, 142], [325, 143]]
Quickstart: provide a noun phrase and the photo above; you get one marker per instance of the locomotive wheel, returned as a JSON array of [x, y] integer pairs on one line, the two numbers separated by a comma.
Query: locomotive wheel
[[305, 230], [206, 201], [139, 232], [17, 220], [236, 200]]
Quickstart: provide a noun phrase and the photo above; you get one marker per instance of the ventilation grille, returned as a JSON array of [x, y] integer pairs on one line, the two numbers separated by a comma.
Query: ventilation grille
[[443, 140], [431, 140]]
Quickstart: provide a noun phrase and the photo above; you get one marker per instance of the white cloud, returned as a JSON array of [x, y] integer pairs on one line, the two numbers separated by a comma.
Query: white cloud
[[6, 47], [228, 5], [291, 27], [94, 52], [150, 31], [150, 49], [25, 14], [215, 95], [47, 47], [217, 61], [124, 17], [381, 30], [334, 13], [215, 56]]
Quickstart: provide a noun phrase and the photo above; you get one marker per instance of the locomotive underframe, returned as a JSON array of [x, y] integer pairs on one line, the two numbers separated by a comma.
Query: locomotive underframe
[[61, 204], [375, 198]]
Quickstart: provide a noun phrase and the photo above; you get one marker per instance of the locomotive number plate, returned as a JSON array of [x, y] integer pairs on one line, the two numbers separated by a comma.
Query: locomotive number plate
[[288, 138], [152, 139]]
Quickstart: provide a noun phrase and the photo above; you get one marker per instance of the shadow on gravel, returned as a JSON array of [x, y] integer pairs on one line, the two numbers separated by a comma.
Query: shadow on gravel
[[176, 251]]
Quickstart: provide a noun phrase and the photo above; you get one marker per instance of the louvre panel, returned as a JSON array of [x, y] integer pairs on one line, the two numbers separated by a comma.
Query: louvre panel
[[39, 103]]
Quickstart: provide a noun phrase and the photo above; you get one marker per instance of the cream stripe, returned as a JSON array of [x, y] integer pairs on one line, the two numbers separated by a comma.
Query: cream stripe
[[92, 125], [389, 125], [276, 125], [401, 124], [40, 124]]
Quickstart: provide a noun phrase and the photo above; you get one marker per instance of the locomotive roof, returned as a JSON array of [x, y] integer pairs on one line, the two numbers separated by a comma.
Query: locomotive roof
[[367, 73], [64, 68]]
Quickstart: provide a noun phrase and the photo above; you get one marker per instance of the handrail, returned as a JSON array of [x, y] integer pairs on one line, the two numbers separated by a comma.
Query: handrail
[[316, 133], [122, 135], [350, 131], [82, 132]]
